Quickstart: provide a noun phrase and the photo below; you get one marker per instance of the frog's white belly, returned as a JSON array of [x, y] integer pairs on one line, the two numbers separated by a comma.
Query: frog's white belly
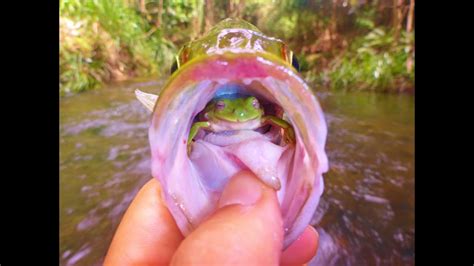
[[225, 125]]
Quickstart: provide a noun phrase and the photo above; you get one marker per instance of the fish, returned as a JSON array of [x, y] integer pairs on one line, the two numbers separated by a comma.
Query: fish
[[236, 58]]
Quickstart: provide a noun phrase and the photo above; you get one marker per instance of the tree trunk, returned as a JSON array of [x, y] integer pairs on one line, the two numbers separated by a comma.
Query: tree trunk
[[241, 8], [208, 15], [398, 16], [235, 8], [333, 27], [198, 19], [230, 8], [159, 15], [380, 10], [142, 6], [394, 14], [411, 14]]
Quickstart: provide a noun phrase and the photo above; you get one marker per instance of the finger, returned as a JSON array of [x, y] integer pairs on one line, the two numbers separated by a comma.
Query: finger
[[303, 249], [147, 234], [246, 230]]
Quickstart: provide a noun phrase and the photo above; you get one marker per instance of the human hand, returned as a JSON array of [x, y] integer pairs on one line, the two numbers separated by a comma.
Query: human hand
[[245, 230]]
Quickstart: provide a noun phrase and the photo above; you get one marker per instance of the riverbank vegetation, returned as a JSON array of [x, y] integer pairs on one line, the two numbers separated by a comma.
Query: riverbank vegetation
[[341, 44]]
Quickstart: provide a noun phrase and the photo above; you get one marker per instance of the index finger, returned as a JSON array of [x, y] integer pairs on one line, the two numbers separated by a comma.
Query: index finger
[[147, 233]]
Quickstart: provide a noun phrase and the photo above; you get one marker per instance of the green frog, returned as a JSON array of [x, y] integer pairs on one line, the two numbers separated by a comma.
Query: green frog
[[240, 113]]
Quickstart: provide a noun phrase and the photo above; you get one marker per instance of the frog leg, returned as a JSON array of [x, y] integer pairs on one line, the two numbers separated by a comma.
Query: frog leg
[[194, 130], [276, 121]]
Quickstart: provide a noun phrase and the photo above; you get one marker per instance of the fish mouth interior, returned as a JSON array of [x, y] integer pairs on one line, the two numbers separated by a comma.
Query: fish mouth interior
[[193, 180], [231, 89], [262, 149]]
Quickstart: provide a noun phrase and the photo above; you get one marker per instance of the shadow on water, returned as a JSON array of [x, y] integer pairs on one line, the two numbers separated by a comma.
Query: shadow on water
[[366, 214]]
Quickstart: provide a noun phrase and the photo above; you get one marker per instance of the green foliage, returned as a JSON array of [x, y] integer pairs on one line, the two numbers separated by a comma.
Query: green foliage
[[340, 44], [365, 19], [104, 40], [373, 62], [284, 26]]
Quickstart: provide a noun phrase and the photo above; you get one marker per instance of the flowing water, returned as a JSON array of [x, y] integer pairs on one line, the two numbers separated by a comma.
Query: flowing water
[[366, 214]]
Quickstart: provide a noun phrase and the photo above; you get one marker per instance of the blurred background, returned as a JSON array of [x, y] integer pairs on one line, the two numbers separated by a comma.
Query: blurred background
[[358, 56]]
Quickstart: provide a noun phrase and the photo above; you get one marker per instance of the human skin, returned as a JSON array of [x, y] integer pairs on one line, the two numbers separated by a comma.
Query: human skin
[[246, 229]]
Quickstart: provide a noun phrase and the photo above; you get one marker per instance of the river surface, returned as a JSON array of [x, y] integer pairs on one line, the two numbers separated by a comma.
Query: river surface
[[365, 216]]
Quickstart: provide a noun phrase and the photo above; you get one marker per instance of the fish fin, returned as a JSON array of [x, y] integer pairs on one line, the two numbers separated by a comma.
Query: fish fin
[[147, 99]]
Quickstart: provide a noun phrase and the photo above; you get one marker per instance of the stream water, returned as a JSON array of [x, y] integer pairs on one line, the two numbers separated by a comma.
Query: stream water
[[366, 214]]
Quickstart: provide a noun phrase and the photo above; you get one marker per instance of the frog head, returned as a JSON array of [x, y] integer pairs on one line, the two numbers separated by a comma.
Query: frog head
[[234, 110]]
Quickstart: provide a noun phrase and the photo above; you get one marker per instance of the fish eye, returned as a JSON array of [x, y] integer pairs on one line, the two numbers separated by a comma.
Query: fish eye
[[295, 63], [220, 105], [174, 66]]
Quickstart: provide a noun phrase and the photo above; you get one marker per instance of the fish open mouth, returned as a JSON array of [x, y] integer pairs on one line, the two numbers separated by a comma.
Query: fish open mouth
[[234, 148], [193, 183], [246, 88]]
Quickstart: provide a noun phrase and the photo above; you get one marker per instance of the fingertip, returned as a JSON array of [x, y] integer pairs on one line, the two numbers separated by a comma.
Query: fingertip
[[247, 229], [303, 249], [243, 189]]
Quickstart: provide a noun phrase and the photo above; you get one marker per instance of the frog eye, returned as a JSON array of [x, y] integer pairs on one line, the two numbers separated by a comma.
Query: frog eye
[[220, 105], [255, 103]]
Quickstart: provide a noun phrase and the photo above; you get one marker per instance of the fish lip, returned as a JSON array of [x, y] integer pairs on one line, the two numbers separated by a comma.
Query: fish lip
[[236, 53], [224, 57]]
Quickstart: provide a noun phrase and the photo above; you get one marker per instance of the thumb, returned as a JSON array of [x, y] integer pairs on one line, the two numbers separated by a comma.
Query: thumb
[[246, 229]]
